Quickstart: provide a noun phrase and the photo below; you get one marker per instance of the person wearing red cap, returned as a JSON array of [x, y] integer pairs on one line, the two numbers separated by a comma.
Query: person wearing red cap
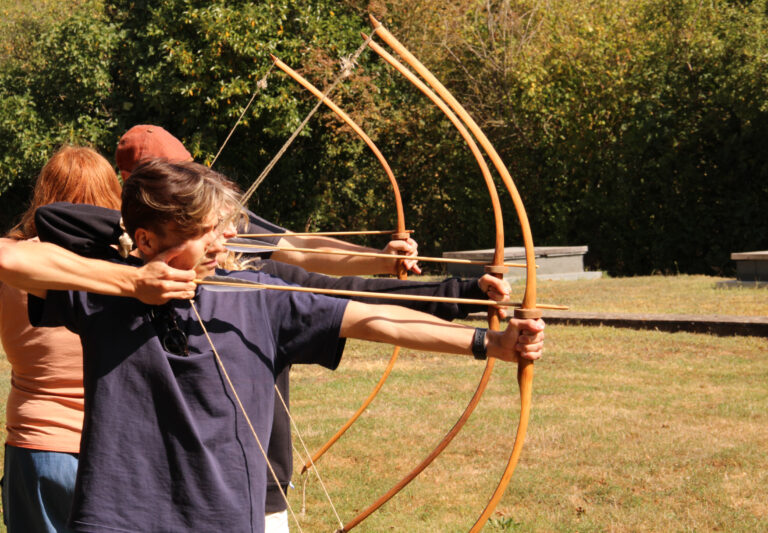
[[146, 141]]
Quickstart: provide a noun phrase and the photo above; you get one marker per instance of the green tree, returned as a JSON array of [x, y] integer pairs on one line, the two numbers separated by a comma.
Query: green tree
[[50, 96], [630, 126], [633, 126]]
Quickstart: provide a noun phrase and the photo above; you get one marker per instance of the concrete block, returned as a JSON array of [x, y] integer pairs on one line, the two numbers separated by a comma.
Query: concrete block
[[554, 262], [751, 266]]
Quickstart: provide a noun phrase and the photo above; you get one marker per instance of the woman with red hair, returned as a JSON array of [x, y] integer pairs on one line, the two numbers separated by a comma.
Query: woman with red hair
[[44, 413]]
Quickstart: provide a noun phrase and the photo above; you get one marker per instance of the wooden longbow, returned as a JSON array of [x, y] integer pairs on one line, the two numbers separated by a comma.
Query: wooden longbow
[[528, 307], [400, 234]]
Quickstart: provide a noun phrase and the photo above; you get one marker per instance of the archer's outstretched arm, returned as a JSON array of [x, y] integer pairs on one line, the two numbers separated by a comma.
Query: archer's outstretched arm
[[345, 266], [412, 329], [37, 267]]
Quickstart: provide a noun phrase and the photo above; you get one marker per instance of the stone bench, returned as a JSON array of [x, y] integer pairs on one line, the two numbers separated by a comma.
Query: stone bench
[[555, 262], [751, 266]]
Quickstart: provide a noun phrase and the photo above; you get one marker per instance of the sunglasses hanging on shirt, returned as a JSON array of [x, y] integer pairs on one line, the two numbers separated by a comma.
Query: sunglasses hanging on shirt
[[171, 337]]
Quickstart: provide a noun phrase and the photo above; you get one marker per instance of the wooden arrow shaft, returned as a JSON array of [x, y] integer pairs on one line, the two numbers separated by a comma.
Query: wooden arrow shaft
[[370, 254], [245, 284], [322, 233]]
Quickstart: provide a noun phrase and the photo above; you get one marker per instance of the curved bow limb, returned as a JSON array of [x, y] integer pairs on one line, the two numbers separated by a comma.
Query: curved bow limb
[[530, 255], [528, 308], [400, 485], [357, 129], [496, 268], [400, 234]]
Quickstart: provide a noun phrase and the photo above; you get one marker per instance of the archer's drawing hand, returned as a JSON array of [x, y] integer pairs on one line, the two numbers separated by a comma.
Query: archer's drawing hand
[[157, 282], [496, 289], [522, 339], [405, 248]]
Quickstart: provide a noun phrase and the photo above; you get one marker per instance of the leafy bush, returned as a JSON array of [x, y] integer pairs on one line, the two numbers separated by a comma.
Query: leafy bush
[[633, 126]]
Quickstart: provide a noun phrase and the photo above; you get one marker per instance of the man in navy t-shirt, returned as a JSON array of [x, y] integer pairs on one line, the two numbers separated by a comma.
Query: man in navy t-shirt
[[165, 446], [167, 443]]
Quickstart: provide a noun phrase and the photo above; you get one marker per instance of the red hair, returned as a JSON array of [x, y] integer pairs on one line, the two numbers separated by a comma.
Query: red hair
[[74, 174]]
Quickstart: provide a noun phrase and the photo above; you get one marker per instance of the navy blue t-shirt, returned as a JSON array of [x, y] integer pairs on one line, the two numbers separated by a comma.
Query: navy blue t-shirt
[[165, 446]]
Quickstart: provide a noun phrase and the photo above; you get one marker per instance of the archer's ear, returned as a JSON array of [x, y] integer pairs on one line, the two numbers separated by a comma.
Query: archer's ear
[[147, 242]]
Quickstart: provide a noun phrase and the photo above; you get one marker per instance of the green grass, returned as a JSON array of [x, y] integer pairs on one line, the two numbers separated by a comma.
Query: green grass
[[699, 295], [630, 430]]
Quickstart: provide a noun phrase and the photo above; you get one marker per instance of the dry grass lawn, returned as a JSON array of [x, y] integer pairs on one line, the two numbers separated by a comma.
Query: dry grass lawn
[[630, 430]]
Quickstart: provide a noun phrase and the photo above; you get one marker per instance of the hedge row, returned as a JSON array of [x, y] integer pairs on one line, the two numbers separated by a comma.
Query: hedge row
[[635, 127]]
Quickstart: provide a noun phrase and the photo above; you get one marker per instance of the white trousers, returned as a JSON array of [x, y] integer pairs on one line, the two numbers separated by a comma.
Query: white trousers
[[276, 522]]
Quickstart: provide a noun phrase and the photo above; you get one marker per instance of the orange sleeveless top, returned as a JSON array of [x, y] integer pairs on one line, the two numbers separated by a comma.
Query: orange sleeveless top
[[45, 402]]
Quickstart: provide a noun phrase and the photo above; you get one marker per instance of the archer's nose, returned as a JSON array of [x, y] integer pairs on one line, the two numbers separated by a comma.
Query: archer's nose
[[229, 230]]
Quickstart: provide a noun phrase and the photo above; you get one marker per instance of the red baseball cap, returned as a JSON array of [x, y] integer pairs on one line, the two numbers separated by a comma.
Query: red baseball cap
[[147, 142]]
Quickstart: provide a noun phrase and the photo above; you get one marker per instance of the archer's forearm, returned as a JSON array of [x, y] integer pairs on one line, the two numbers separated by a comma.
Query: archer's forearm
[[405, 327], [36, 267], [335, 265], [523, 338]]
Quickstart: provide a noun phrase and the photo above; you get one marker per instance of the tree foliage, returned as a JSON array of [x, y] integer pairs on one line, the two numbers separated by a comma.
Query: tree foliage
[[630, 126], [633, 126]]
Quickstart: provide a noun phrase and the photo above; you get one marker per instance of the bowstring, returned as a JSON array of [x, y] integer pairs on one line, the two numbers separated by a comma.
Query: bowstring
[[348, 64], [260, 86], [242, 410], [308, 454]]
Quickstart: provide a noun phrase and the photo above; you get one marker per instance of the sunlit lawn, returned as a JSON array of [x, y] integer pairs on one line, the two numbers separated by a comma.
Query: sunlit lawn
[[695, 295], [630, 430]]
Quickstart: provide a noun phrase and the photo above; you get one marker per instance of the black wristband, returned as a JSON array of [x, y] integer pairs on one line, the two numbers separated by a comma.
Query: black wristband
[[478, 344]]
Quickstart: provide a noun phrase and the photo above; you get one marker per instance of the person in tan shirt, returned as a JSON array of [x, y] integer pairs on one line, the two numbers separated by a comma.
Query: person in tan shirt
[[44, 412]]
